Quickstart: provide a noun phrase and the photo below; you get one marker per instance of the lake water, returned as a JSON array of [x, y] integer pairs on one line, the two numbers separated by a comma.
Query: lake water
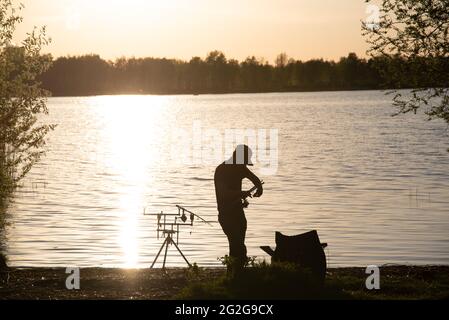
[[375, 187]]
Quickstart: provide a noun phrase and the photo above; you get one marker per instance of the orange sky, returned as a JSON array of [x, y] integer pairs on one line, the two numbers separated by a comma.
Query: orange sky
[[303, 29]]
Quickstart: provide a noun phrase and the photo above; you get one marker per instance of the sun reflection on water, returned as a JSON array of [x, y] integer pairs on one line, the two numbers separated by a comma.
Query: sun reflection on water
[[130, 154]]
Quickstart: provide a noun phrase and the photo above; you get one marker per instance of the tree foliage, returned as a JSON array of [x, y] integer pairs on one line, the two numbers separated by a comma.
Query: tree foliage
[[22, 100], [411, 43], [91, 75]]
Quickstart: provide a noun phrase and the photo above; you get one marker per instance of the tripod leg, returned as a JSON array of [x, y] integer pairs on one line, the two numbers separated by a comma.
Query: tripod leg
[[181, 254], [157, 256], [169, 240]]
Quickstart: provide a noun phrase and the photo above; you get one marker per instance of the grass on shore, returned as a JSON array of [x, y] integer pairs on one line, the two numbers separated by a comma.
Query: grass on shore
[[284, 281], [262, 281]]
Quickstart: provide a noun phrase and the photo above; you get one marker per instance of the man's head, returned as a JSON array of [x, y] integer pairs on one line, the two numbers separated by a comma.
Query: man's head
[[242, 155]]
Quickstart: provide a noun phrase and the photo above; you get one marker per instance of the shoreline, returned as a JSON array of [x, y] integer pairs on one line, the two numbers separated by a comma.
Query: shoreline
[[384, 90], [397, 282]]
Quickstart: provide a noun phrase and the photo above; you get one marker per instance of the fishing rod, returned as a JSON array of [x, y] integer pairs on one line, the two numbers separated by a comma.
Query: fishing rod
[[244, 201], [182, 211]]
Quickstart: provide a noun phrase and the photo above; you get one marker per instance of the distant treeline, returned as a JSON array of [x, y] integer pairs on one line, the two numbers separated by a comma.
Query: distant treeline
[[91, 75]]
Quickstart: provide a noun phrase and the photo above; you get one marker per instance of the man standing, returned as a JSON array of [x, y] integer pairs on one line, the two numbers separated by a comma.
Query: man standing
[[228, 190]]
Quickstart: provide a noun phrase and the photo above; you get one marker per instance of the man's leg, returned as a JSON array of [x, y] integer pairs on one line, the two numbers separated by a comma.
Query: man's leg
[[235, 228], [227, 226], [239, 242]]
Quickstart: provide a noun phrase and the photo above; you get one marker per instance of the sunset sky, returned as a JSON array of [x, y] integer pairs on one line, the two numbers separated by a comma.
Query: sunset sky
[[303, 29]]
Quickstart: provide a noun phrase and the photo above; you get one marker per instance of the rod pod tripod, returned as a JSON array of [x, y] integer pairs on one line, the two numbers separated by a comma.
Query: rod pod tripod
[[168, 240], [169, 229]]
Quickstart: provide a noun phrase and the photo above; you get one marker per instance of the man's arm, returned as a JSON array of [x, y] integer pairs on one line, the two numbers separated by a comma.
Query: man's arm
[[256, 181]]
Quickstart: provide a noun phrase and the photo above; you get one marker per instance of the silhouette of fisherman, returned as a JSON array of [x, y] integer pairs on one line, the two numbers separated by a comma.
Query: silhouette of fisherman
[[228, 190]]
